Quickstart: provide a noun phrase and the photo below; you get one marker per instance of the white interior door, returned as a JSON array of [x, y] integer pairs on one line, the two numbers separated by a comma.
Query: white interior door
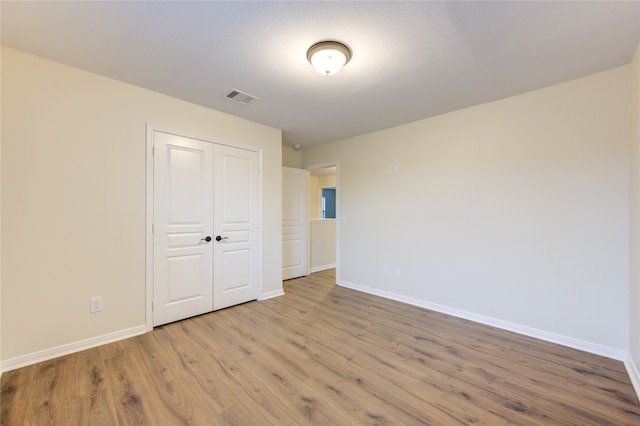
[[183, 217], [295, 223], [236, 224], [205, 226]]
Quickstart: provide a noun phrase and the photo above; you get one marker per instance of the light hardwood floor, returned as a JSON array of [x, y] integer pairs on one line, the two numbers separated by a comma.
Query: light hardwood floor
[[323, 354]]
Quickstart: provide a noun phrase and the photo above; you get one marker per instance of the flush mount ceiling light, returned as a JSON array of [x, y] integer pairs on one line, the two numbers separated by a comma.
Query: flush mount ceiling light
[[328, 57]]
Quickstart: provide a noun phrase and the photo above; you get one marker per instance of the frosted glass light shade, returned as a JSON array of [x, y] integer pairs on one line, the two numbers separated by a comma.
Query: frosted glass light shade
[[328, 57]]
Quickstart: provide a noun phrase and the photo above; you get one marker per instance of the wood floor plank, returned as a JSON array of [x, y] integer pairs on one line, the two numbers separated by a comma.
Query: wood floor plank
[[92, 403], [323, 354], [128, 389], [17, 387]]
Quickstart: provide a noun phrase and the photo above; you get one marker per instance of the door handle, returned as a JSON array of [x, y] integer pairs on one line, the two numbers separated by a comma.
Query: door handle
[[207, 239], [219, 238]]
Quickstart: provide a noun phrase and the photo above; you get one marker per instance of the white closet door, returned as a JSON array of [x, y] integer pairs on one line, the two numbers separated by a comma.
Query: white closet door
[[183, 218], [206, 226], [236, 223]]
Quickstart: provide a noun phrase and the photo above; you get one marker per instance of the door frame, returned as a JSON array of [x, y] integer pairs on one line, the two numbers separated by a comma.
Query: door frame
[[149, 282], [335, 164]]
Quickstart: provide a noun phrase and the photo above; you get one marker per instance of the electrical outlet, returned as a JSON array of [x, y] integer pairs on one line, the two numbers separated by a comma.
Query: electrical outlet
[[385, 271], [397, 272], [389, 170], [95, 304]]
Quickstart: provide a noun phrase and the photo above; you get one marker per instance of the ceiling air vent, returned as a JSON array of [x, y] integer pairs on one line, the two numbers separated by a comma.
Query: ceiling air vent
[[241, 97]]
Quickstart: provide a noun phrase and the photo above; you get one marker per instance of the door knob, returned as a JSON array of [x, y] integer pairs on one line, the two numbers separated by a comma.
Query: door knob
[[219, 238], [207, 239]]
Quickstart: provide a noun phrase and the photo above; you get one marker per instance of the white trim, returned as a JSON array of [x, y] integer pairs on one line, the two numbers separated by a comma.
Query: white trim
[[149, 230], [260, 217], [92, 342], [271, 294], [505, 325], [323, 267], [634, 375]]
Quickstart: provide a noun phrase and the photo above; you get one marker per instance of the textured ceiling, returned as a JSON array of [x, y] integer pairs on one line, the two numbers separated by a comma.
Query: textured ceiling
[[411, 60]]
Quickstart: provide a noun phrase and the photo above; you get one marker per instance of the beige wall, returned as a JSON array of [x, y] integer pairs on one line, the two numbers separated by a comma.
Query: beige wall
[[323, 244], [291, 157], [315, 208], [515, 210], [73, 198], [327, 181], [634, 198]]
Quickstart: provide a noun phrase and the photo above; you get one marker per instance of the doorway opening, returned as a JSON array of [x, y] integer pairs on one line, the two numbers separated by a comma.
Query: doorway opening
[[324, 214]]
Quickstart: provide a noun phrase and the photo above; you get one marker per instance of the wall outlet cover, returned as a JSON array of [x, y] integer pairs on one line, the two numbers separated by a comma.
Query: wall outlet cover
[[95, 304]]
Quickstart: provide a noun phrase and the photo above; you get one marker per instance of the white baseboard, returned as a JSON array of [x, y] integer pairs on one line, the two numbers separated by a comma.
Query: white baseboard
[[272, 294], [634, 375], [505, 325], [47, 354], [66, 349], [323, 267]]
